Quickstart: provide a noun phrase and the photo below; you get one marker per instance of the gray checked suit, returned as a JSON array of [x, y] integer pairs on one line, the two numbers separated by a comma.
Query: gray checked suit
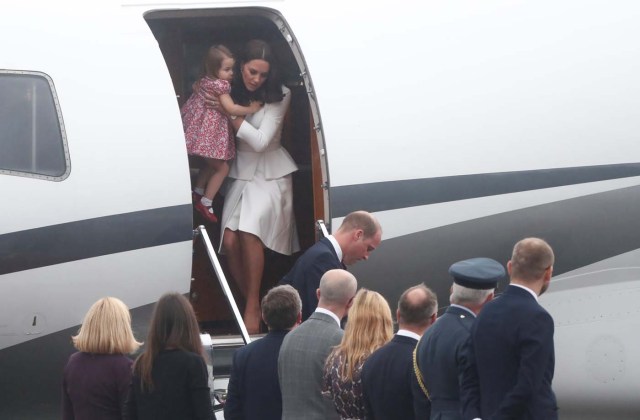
[[300, 368]]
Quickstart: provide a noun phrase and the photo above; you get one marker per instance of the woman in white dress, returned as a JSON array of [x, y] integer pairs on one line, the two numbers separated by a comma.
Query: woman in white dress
[[258, 207]]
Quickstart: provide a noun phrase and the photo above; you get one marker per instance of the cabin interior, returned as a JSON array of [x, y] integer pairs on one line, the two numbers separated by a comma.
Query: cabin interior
[[183, 37]]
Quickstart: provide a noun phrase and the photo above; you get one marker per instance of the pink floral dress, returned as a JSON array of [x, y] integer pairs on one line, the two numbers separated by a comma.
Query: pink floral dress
[[207, 131]]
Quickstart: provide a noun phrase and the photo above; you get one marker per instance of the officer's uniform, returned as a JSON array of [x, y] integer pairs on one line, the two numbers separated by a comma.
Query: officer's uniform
[[440, 355]]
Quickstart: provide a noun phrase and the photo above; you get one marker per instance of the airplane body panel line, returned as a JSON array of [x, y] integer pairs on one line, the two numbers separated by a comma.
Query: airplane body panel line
[[391, 195], [57, 244]]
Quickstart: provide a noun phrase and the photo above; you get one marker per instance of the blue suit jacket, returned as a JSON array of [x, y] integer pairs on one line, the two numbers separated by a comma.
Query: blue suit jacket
[[254, 390], [389, 386], [512, 361], [442, 358], [305, 275]]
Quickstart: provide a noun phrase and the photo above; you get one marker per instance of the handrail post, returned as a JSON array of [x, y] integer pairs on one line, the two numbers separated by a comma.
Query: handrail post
[[223, 283], [322, 228]]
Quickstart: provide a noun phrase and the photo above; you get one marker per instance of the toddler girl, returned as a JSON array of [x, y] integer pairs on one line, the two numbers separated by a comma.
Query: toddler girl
[[207, 131]]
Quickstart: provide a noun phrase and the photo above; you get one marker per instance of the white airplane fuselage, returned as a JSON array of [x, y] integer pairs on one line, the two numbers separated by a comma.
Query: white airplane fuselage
[[462, 126]]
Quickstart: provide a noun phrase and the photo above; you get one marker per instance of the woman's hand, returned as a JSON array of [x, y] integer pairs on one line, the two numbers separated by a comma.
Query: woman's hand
[[210, 100]]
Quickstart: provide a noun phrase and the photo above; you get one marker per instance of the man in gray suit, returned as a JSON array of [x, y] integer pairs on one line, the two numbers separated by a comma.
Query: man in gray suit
[[305, 350]]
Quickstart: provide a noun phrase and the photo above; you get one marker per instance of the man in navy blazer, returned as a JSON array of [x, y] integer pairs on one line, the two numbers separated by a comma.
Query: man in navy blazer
[[440, 355], [389, 385], [254, 389], [358, 235], [511, 349]]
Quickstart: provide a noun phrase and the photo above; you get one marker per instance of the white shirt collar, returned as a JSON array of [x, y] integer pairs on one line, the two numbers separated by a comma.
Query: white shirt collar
[[527, 289], [463, 307], [328, 312], [407, 333], [336, 246]]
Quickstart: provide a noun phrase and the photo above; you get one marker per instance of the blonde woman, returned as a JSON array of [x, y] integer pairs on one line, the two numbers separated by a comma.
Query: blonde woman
[[369, 327], [96, 378]]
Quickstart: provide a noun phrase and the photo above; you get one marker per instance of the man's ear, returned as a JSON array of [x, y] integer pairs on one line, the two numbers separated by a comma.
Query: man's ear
[[490, 297], [318, 293], [509, 267], [299, 319], [350, 302]]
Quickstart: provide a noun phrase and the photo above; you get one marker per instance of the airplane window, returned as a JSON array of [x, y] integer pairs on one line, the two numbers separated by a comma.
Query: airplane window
[[32, 140]]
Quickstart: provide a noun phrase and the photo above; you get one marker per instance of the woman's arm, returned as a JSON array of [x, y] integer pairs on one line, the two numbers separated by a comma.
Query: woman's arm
[[260, 137], [237, 110]]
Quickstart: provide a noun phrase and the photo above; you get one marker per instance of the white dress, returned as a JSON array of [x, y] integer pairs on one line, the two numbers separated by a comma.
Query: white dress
[[260, 198]]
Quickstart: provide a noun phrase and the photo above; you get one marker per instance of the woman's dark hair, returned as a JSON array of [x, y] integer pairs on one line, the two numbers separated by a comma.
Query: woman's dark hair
[[173, 326], [271, 90]]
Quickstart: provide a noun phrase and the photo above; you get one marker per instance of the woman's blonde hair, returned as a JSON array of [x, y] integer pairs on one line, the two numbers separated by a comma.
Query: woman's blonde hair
[[106, 329], [368, 328]]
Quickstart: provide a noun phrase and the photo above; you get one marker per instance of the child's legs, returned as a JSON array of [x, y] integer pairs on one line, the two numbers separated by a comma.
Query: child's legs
[[203, 176], [219, 171]]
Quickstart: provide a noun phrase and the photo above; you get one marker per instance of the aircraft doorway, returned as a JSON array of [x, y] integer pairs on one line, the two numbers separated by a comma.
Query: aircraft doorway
[[183, 37]]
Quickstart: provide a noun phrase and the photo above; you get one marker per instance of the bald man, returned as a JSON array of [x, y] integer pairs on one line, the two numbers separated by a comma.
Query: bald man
[[389, 386], [305, 350]]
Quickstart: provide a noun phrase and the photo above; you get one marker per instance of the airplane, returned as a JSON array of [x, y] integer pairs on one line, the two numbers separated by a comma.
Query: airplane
[[463, 126]]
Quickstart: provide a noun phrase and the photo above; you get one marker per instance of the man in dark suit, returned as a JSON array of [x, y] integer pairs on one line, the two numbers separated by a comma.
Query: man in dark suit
[[440, 355], [389, 386], [358, 235], [305, 350], [254, 390], [511, 345]]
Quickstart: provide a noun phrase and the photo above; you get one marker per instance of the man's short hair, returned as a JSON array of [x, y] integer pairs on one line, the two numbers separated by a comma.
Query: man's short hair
[[337, 287], [530, 258], [417, 308], [281, 307], [361, 220], [461, 295]]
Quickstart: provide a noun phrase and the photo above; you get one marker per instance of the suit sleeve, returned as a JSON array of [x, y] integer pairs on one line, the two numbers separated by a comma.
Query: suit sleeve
[[421, 404], [536, 349], [323, 263], [469, 382], [368, 412], [130, 404], [67, 407], [123, 384], [234, 402]]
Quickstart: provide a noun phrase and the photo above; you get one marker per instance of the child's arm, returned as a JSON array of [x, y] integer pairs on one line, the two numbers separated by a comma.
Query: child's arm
[[237, 110]]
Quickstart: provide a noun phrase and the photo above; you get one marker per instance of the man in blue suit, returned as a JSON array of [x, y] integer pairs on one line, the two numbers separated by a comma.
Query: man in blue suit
[[389, 386], [254, 390], [358, 235], [511, 349], [440, 354]]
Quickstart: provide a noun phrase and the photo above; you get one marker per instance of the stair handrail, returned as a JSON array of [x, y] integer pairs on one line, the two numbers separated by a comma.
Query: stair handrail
[[222, 279]]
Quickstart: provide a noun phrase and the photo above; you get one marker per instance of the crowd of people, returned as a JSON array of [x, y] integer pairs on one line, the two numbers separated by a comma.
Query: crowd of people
[[484, 358]]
